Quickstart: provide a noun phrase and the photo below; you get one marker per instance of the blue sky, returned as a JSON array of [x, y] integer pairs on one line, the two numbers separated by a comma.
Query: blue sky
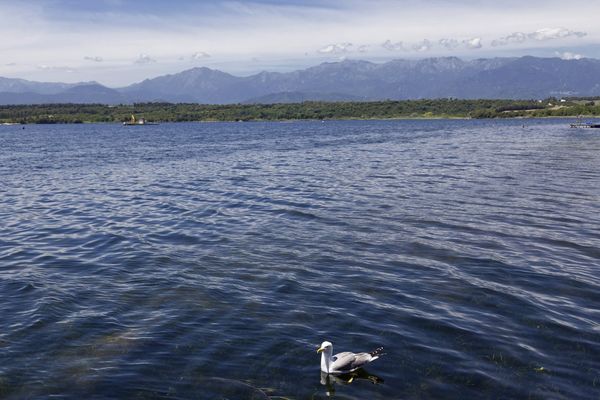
[[117, 42]]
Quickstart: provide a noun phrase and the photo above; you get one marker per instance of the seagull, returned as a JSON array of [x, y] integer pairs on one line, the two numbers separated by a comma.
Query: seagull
[[345, 362]]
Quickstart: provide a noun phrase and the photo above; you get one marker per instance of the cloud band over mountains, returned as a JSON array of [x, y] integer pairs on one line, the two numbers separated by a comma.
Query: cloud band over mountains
[[119, 40], [539, 35], [474, 43]]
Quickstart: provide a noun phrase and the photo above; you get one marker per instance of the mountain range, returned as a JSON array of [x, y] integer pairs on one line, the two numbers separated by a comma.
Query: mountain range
[[351, 80]]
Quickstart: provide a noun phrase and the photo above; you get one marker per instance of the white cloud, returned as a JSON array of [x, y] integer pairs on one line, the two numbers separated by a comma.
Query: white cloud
[[362, 49], [452, 44], [554, 33], [390, 46], [336, 48], [515, 37], [474, 43], [94, 58], [567, 55], [200, 55], [539, 35], [449, 43], [424, 45], [46, 67], [144, 59]]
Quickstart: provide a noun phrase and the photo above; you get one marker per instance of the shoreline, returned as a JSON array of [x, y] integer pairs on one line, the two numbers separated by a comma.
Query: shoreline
[[157, 123]]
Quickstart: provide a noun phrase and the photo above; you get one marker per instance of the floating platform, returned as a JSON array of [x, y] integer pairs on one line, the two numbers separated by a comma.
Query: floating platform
[[585, 125]]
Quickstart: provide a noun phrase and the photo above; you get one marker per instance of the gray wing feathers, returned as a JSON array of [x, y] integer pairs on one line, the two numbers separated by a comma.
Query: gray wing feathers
[[344, 354], [347, 361]]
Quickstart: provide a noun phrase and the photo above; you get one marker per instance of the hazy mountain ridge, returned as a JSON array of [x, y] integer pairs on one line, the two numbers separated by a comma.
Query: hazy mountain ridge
[[352, 80], [299, 97], [11, 85], [85, 93]]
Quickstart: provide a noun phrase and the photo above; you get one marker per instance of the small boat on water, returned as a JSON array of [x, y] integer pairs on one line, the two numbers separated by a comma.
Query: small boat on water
[[138, 121]]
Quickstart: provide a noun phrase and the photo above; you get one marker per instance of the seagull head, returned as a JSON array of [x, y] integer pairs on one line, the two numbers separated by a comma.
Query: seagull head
[[326, 347]]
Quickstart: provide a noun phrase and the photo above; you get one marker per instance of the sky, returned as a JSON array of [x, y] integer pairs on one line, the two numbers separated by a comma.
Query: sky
[[119, 42]]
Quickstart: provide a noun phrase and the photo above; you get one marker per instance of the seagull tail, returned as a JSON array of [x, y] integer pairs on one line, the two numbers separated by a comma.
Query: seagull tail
[[378, 352]]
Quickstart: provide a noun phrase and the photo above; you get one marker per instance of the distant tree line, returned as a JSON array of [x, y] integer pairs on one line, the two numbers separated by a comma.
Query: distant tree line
[[310, 110]]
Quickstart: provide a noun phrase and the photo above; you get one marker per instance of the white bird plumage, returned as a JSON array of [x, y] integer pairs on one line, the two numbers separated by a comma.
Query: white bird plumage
[[346, 361]]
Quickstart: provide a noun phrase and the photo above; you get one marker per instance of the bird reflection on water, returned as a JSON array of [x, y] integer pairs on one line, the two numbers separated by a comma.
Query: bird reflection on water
[[329, 380]]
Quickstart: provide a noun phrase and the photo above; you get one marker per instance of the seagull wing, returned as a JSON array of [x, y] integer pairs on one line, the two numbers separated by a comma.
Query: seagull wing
[[346, 361]]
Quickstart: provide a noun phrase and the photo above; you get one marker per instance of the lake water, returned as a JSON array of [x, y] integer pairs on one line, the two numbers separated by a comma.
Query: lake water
[[202, 260]]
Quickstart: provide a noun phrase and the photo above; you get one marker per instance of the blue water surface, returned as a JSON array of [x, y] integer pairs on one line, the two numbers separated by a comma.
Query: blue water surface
[[209, 260]]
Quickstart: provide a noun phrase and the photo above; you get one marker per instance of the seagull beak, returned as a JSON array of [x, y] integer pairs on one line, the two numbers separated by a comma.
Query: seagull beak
[[320, 349]]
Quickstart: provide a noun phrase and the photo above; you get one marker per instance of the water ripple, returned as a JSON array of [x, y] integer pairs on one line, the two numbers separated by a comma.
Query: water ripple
[[208, 260]]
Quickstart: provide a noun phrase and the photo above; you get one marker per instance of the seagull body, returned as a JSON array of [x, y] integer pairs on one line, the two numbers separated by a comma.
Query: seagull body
[[345, 362]]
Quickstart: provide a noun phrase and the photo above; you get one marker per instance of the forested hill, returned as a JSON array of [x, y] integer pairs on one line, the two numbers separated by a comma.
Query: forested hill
[[167, 112]]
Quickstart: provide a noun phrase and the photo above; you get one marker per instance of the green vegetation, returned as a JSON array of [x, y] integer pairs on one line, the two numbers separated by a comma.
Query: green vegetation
[[167, 112]]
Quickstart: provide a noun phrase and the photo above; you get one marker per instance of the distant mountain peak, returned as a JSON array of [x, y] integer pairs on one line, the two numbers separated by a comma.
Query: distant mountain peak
[[203, 71], [351, 79]]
